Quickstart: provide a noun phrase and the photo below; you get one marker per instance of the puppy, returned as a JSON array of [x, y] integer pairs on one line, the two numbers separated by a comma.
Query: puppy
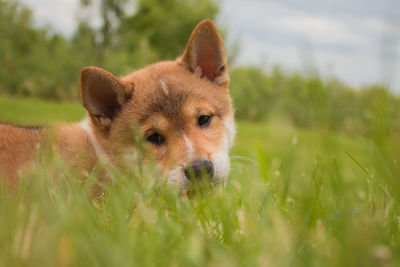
[[181, 109]]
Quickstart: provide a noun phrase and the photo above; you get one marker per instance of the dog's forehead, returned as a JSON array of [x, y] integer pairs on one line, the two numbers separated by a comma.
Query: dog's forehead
[[170, 106], [170, 90]]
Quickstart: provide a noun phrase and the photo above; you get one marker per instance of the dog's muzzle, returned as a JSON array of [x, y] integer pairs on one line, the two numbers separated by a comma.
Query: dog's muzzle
[[199, 169]]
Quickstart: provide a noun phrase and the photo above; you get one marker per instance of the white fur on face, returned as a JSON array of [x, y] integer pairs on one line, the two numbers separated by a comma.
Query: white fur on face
[[177, 177], [230, 129], [164, 87], [222, 165], [220, 159], [189, 148], [221, 162]]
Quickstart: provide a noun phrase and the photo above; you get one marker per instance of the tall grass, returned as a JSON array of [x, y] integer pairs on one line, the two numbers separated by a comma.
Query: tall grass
[[294, 198]]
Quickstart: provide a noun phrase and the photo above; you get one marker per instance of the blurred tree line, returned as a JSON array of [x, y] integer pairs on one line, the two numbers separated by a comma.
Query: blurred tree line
[[311, 102], [37, 62]]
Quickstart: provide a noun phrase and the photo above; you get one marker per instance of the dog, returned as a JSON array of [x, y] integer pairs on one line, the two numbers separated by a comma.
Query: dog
[[181, 109]]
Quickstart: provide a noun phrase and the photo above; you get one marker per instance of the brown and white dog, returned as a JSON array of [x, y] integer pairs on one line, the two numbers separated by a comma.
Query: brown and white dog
[[181, 108]]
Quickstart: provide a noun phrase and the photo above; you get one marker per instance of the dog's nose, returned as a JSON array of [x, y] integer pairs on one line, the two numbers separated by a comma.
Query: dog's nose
[[198, 169]]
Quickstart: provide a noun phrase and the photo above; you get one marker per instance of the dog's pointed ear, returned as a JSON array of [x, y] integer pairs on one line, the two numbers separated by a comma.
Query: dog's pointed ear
[[205, 54], [103, 94]]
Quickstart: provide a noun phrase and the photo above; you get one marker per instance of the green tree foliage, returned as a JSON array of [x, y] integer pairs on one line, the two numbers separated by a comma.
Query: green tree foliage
[[310, 102], [40, 63], [166, 24], [252, 91], [111, 12], [163, 25], [34, 61]]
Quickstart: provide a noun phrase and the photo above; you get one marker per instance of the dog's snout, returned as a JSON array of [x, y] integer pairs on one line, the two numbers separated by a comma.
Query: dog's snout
[[198, 169]]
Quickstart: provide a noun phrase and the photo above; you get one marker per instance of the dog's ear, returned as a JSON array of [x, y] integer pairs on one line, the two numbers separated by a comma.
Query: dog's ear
[[103, 94], [205, 54]]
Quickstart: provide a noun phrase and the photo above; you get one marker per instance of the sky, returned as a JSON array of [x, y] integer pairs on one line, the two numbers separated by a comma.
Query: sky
[[355, 41]]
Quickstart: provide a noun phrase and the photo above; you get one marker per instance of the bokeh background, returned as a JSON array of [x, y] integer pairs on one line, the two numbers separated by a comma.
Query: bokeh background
[[355, 41], [305, 62], [315, 165]]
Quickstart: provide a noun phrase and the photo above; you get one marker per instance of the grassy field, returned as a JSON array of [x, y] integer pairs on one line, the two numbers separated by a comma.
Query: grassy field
[[294, 198]]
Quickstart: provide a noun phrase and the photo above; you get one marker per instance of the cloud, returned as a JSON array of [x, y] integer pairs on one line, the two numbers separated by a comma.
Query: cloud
[[58, 14], [341, 38], [61, 15], [320, 30]]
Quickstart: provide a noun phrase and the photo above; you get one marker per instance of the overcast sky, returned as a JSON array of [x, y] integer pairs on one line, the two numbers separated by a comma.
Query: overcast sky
[[356, 41]]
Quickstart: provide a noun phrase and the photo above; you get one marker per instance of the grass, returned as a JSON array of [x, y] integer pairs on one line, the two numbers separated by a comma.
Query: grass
[[35, 111], [294, 198]]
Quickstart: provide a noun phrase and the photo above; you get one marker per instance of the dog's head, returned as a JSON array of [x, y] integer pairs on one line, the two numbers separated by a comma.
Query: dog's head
[[182, 109]]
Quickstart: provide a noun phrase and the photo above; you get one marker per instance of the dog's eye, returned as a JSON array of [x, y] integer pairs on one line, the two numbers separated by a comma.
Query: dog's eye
[[156, 139], [204, 120]]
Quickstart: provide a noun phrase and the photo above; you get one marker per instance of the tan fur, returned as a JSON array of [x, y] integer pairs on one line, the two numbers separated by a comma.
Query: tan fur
[[166, 98], [18, 147]]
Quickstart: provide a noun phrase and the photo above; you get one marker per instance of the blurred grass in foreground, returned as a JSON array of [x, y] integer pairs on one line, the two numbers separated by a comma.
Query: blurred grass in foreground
[[294, 198]]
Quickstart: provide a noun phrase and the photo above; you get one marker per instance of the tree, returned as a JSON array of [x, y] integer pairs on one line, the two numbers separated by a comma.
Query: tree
[[165, 24], [111, 13]]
